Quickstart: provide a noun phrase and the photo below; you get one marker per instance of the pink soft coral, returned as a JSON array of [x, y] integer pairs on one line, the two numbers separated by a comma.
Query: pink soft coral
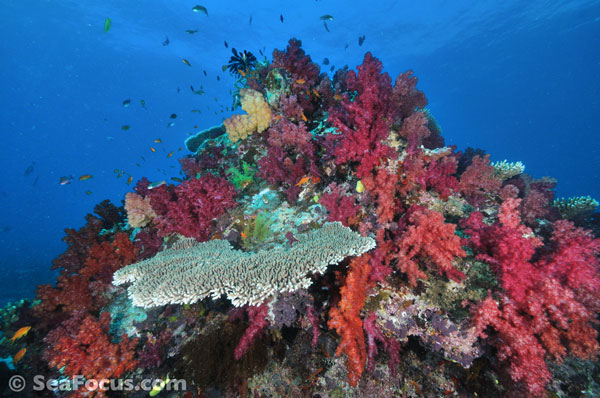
[[548, 307]]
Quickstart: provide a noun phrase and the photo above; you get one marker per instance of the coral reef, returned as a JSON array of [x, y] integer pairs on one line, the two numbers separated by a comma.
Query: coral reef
[[326, 244]]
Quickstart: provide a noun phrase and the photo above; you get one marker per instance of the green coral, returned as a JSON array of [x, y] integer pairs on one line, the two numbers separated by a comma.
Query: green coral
[[242, 178], [577, 207], [256, 232]]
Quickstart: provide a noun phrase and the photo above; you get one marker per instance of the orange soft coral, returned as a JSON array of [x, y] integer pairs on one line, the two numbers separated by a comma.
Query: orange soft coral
[[345, 318]]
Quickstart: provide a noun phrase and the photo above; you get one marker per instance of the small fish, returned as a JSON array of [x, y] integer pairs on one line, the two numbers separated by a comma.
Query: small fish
[[241, 72], [129, 180], [332, 68], [120, 173], [126, 103], [143, 104], [250, 20], [226, 45], [261, 53], [166, 42], [304, 117], [65, 180], [176, 179], [171, 124], [173, 116], [326, 27], [107, 24], [360, 188], [170, 154], [191, 32], [303, 181], [185, 61], [361, 40], [326, 61], [85, 177], [29, 169], [156, 184], [346, 46], [224, 68], [315, 180], [300, 81], [204, 73], [326, 17], [337, 97], [125, 127], [180, 148], [243, 235], [281, 17], [218, 78], [20, 333], [19, 355], [152, 149], [88, 192], [201, 9], [158, 140]]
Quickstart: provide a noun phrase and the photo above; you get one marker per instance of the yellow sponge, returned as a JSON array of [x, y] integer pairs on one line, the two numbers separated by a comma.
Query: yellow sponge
[[258, 116]]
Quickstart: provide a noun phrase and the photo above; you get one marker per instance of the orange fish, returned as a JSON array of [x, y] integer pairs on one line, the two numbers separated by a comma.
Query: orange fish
[[185, 61], [170, 154], [152, 149], [316, 93], [20, 333], [304, 117], [85, 177], [300, 81], [241, 72], [303, 181], [129, 180], [337, 97], [158, 140], [243, 235], [19, 355], [315, 180], [277, 117]]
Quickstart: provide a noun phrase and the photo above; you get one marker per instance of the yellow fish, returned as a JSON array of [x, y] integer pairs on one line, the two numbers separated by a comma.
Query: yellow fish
[[152, 149], [19, 355], [170, 154], [300, 81], [359, 186], [20, 333], [129, 180], [158, 140], [85, 177], [185, 61]]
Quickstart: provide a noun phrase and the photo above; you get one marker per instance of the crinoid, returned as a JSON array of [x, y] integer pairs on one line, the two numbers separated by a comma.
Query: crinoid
[[240, 62]]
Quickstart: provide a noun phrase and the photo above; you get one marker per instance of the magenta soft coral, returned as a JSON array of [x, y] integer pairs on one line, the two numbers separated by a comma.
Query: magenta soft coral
[[341, 207], [195, 205], [257, 317], [364, 123]]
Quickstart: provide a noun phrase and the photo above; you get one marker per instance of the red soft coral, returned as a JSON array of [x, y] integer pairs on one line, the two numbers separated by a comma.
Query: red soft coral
[[429, 237], [82, 346], [345, 318]]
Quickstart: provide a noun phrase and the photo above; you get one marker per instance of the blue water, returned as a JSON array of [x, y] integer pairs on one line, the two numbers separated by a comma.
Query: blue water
[[518, 79]]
